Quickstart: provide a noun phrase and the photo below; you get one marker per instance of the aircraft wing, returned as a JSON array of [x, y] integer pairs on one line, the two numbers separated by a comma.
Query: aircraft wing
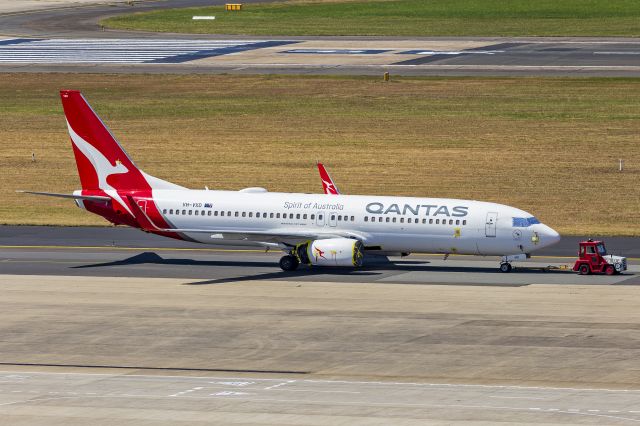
[[72, 196], [275, 236]]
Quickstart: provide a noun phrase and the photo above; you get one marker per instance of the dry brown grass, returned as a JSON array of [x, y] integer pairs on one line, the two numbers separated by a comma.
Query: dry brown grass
[[548, 146]]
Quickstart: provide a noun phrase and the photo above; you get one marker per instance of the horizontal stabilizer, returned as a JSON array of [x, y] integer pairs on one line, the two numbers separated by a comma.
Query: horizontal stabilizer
[[72, 196]]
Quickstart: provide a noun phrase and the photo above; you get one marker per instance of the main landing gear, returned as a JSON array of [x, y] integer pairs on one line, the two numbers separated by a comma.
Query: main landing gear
[[289, 263]]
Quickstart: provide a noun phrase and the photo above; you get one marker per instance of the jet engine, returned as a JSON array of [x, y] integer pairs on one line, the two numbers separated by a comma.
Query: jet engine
[[331, 252]]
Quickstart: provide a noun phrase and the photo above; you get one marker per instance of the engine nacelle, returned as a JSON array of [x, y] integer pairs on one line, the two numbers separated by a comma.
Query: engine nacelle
[[331, 252]]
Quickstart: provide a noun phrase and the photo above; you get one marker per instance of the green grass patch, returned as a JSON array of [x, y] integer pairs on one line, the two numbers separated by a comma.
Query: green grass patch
[[402, 18]]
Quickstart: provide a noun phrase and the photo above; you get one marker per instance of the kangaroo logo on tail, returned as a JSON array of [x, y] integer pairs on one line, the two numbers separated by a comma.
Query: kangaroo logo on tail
[[102, 166]]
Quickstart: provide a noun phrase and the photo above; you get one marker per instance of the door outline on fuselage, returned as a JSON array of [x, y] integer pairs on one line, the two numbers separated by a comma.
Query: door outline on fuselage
[[490, 224], [333, 221]]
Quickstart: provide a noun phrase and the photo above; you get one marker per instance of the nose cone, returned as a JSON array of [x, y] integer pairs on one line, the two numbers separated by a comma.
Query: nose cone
[[548, 236]]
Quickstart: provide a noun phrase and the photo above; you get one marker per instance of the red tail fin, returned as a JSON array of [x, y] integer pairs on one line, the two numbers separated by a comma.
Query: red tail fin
[[328, 185], [102, 163]]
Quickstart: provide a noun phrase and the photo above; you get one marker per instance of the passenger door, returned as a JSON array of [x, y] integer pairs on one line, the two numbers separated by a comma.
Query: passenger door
[[490, 224]]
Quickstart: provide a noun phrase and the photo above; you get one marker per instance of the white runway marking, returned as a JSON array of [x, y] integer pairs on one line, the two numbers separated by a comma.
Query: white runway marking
[[120, 51]]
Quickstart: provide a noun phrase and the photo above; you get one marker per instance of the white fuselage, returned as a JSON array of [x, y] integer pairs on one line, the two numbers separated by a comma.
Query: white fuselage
[[389, 224]]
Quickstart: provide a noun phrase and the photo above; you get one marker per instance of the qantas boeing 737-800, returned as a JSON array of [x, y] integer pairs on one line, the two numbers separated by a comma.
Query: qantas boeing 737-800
[[310, 228]]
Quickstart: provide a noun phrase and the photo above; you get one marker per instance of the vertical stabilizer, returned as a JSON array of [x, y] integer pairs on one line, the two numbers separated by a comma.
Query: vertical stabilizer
[[102, 163]]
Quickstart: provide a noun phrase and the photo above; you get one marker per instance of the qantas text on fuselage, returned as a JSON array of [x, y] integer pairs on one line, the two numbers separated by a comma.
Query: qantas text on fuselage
[[340, 227]]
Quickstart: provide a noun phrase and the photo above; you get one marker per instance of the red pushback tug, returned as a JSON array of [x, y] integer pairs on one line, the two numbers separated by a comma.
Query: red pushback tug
[[595, 260]]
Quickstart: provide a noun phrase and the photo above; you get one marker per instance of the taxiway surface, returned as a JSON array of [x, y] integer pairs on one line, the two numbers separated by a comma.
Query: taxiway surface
[[126, 252]]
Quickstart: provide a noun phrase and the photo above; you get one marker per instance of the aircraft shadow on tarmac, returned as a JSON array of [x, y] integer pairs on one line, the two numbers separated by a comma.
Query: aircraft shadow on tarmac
[[375, 267]]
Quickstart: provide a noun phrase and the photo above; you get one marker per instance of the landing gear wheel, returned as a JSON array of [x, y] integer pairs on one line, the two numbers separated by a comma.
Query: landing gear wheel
[[584, 270], [505, 267], [610, 270], [289, 263]]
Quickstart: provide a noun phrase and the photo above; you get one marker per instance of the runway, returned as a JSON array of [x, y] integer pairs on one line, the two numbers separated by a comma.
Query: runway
[[70, 40]]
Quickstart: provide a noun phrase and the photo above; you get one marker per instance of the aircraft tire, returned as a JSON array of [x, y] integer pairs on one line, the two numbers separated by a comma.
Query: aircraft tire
[[289, 263], [505, 267]]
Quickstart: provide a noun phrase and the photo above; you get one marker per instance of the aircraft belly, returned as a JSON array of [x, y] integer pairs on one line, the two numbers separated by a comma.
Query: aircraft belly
[[424, 243]]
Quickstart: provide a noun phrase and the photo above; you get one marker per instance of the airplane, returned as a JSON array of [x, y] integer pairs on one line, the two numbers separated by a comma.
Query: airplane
[[311, 229], [328, 186]]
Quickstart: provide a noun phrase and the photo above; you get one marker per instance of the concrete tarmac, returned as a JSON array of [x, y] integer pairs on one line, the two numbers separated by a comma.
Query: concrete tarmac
[[92, 350]]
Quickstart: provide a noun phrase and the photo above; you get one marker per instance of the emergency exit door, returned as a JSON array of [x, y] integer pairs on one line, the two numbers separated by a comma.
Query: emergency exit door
[[490, 225]]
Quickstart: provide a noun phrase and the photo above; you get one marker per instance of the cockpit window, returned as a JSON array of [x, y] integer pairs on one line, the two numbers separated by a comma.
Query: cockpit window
[[523, 222], [602, 251]]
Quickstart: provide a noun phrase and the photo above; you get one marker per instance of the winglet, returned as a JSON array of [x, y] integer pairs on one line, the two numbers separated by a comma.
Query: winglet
[[328, 185]]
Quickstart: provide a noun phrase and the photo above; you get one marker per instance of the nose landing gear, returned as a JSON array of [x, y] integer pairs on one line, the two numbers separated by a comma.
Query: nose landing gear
[[505, 262], [505, 267]]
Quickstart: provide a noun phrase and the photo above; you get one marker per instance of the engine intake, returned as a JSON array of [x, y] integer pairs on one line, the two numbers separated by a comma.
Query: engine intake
[[331, 252]]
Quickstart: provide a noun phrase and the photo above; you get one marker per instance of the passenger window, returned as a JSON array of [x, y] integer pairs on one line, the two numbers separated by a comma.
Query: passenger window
[[244, 214], [402, 220], [209, 213], [184, 212], [250, 214], [164, 211], [313, 216], [320, 217], [424, 221], [215, 213], [340, 217], [380, 219], [298, 216], [366, 218], [177, 212], [304, 216], [353, 218], [170, 211], [258, 214], [394, 220], [195, 212], [444, 221], [229, 213], [450, 221], [457, 221], [464, 222], [236, 214], [277, 215], [437, 221], [333, 217], [190, 211], [271, 215]]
